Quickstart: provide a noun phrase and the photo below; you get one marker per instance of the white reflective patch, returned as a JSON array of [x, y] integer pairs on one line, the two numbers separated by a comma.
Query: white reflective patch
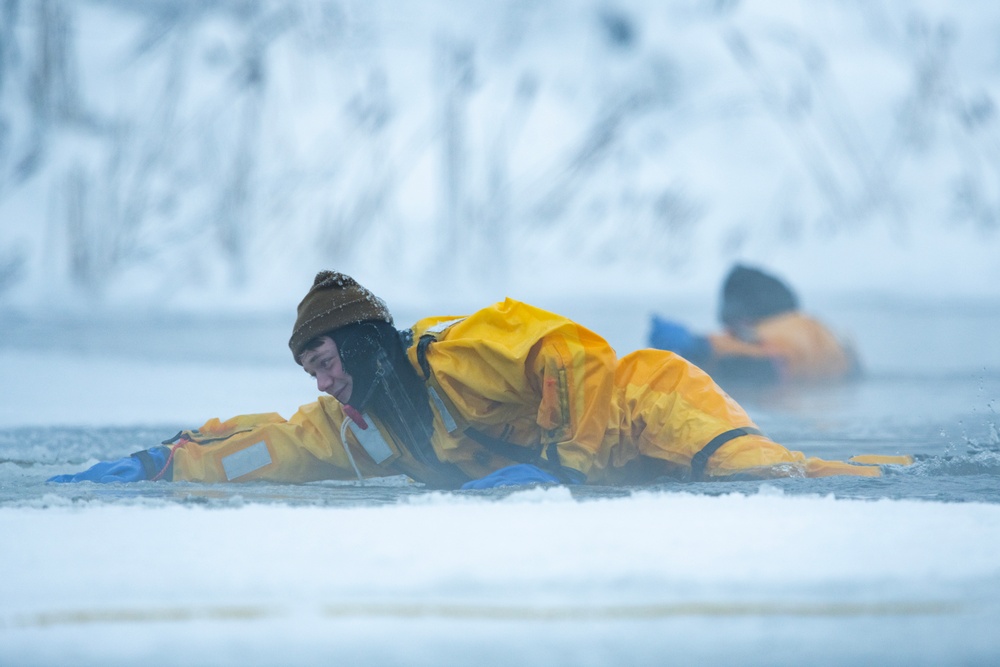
[[246, 460], [441, 326], [446, 418], [371, 440]]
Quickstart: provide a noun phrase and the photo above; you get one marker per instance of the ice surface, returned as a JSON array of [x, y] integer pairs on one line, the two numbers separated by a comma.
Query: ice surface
[[539, 578]]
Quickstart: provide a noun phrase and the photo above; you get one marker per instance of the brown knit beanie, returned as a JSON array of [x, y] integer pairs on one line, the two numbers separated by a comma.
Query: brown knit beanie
[[334, 300]]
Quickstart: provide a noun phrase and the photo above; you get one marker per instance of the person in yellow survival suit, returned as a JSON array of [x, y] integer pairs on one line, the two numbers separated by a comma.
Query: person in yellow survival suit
[[766, 338], [508, 395]]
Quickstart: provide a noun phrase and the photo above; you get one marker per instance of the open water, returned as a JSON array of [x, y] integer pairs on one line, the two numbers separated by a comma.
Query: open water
[[932, 389]]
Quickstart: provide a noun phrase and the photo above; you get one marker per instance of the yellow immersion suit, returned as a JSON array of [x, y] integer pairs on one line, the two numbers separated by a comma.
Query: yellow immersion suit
[[802, 348], [512, 383]]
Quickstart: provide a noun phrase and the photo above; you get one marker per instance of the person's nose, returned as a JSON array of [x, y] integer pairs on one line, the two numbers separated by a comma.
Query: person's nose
[[323, 382]]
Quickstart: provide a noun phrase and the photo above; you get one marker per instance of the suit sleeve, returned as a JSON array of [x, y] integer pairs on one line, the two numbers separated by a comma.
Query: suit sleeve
[[267, 447]]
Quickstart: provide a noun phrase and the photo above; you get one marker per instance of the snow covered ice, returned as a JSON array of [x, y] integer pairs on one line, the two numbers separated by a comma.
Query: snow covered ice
[[537, 578], [168, 192]]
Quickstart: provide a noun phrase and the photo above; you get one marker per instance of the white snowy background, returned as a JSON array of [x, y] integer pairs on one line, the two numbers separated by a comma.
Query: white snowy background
[[171, 170], [213, 155]]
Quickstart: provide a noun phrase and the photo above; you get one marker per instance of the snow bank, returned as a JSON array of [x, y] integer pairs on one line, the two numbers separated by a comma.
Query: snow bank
[[536, 573]]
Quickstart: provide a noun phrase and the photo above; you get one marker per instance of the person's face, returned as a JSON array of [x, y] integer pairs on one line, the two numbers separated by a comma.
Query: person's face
[[324, 364]]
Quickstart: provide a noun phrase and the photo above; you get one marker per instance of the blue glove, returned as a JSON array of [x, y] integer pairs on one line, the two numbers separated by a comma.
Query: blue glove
[[515, 475], [135, 468], [669, 335]]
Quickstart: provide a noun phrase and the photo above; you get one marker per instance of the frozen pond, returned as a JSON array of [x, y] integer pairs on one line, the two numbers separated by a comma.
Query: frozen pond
[[896, 570]]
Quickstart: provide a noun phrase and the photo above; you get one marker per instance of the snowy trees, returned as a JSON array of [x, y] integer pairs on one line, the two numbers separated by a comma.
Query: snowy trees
[[230, 148]]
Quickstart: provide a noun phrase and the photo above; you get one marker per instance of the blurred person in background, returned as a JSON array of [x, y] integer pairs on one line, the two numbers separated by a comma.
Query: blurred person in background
[[507, 395], [766, 339]]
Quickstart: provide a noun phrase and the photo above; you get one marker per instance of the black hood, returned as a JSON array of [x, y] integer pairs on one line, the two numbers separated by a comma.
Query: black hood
[[365, 349], [749, 295]]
